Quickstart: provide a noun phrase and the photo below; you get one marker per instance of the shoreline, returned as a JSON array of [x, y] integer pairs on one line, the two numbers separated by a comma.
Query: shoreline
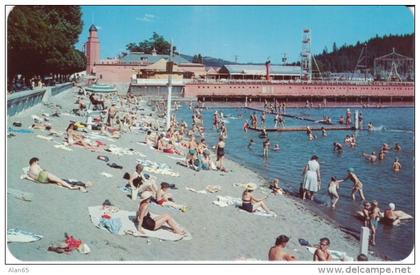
[[218, 233]]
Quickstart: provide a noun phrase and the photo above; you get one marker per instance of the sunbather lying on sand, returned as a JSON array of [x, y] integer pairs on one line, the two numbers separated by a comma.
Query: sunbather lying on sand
[[144, 220], [45, 127], [36, 173]]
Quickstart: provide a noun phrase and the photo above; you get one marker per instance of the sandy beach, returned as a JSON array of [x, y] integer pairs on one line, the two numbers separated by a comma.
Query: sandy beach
[[218, 233]]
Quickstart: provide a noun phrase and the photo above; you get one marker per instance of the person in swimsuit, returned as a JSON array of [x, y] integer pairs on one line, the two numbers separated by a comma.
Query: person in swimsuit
[[274, 186], [366, 213], [75, 138], [381, 155], [396, 166], [139, 183], [337, 147], [332, 190], [249, 202], [357, 184], [220, 153], [390, 217], [372, 157], [163, 197], [375, 214], [145, 221], [266, 146], [322, 253], [112, 112], [277, 252], [36, 173], [397, 147]]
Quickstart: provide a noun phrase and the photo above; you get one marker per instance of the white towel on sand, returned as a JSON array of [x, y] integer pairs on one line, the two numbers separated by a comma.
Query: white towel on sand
[[20, 236], [128, 227], [63, 147], [106, 175], [196, 191]]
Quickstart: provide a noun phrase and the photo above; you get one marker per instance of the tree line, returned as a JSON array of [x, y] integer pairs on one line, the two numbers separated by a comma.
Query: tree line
[[41, 42], [344, 59]]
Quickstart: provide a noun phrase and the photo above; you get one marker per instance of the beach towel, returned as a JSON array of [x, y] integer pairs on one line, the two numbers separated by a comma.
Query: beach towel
[[63, 147], [106, 175], [157, 168], [20, 194], [223, 201], [44, 137], [196, 191], [336, 255], [21, 236], [128, 228], [19, 131]]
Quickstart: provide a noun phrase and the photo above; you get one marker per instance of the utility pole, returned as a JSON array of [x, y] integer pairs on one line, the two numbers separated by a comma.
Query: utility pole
[[169, 69]]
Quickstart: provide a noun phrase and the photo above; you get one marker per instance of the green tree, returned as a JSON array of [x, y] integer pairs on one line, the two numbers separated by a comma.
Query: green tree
[[156, 41], [41, 41]]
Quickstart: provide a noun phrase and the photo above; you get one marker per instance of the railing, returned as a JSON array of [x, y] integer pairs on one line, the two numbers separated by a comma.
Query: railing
[[55, 90], [298, 82], [157, 82], [20, 101]]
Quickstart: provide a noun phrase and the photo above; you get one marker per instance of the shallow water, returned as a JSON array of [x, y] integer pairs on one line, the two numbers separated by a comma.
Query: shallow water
[[392, 125]]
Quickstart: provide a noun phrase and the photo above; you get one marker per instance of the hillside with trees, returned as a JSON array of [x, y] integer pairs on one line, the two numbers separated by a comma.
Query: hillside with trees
[[41, 42], [344, 59]]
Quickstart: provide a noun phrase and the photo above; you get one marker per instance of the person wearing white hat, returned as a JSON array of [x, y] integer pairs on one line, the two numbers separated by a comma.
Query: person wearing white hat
[[144, 220], [389, 215], [251, 203], [396, 166]]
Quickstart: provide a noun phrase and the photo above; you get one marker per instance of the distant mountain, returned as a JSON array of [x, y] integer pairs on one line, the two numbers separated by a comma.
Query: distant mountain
[[210, 61]]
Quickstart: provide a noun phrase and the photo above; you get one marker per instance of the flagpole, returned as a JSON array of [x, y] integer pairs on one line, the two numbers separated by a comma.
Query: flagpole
[[169, 69]]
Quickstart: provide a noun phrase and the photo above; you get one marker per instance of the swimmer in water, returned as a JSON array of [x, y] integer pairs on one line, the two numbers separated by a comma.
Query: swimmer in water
[[372, 157], [370, 126], [397, 147], [324, 132], [276, 147], [337, 147], [396, 166], [381, 155], [266, 146], [251, 142]]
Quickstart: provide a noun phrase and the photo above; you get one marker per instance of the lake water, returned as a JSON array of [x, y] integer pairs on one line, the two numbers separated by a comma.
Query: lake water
[[392, 125]]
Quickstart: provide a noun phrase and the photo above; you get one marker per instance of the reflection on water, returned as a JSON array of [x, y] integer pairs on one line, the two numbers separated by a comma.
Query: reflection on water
[[393, 125]]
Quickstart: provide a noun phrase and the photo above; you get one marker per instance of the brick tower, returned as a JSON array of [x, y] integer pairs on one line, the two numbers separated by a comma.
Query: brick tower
[[92, 49]]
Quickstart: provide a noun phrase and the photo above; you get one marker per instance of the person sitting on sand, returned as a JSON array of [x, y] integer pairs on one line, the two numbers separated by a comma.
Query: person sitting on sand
[[322, 253], [36, 173], [145, 221], [206, 162], [372, 157], [96, 102], [163, 197], [332, 190], [139, 183], [75, 138], [192, 161], [274, 186], [357, 184], [249, 202], [277, 252], [397, 147], [396, 166], [337, 147], [390, 217]]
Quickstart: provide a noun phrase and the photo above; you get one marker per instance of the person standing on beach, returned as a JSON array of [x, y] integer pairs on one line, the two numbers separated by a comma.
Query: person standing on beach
[[322, 253], [266, 146], [357, 184], [220, 153], [277, 252], [312, 178]]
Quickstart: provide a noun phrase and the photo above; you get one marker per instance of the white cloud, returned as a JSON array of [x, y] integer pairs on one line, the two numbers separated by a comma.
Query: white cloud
[[147, 18]]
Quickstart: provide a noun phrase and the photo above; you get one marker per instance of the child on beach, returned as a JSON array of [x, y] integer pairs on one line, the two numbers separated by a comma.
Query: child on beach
[[322, 253], [166, 199], [332, 190], [274, 186]]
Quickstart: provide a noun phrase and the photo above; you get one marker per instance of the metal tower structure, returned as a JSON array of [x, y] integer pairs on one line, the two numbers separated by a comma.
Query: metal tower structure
[[362, 63], [306, 57]]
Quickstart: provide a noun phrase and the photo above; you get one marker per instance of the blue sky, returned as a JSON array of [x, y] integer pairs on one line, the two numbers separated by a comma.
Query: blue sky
[[252, 33]]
